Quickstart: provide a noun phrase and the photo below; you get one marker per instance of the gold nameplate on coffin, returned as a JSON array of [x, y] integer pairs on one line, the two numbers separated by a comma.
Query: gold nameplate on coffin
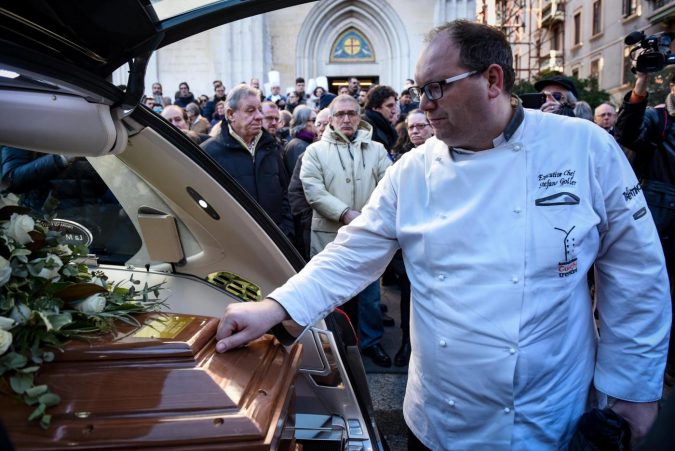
[[163, 385]]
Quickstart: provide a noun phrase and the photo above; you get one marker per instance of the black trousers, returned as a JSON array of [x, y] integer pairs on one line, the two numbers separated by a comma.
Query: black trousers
[[414, 443]]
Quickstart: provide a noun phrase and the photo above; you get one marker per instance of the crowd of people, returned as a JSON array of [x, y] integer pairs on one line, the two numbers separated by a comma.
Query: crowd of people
[[370, 130]]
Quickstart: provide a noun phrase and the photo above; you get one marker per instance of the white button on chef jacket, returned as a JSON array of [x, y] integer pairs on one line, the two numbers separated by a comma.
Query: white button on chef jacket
[[481, 247]]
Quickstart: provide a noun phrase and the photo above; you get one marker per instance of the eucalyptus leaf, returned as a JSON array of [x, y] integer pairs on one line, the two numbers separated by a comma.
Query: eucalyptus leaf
[[38, 412], [21, 382], [50, 399], [45, 421], [38, 390], [48, 356], [29, 369], [14, 360]]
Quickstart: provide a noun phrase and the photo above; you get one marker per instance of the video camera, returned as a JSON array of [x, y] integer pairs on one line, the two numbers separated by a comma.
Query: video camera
[[655, 54]]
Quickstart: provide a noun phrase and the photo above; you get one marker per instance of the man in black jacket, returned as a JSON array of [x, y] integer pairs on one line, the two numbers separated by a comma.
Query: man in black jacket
[[380, 112], [649, 132], [251, 155]]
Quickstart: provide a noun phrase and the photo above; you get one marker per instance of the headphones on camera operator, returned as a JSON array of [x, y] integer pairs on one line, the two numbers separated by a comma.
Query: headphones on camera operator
[[654, 51]]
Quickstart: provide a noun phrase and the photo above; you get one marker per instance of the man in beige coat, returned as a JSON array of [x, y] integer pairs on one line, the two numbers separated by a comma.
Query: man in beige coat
[[338, 174]]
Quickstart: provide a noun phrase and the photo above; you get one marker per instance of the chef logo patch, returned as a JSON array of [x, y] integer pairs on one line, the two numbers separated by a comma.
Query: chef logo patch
[[568, 266]]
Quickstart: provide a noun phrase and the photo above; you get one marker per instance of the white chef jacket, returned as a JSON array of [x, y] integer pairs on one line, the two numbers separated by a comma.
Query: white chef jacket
[[497, 244]]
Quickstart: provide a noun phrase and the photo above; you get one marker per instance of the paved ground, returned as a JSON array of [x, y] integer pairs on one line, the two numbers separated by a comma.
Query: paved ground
[[387, 385]]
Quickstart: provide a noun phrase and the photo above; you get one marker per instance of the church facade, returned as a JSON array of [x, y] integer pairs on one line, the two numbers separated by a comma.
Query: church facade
[[376, 40]]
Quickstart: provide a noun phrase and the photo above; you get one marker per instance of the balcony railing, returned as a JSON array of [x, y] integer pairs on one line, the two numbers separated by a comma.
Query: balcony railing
[[552, 13]]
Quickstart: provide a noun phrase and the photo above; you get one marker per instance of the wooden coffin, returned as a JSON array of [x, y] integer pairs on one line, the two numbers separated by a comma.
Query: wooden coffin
[[163, 385]]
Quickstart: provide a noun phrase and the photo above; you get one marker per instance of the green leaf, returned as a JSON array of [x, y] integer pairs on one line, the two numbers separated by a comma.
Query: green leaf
[[60, 320], [29, 369], [19, 251], [38, 412], [14, 360], [21, 382], [50, 399], [38, 390], [48, 356], [45, 421]]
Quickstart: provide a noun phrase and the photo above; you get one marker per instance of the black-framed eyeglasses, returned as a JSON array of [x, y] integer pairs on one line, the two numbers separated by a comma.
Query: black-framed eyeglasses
[[434, 89]]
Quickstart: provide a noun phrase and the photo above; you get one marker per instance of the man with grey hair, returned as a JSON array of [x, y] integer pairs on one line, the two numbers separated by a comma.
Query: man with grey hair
[[251, 155], [500, 216], [338, 175], [303, 134], [605, 116]]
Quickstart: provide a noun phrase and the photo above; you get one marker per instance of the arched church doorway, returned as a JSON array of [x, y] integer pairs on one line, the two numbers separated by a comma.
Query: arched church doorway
[[339, 39]]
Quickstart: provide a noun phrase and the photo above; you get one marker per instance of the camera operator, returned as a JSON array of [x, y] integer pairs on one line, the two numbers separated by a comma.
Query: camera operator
[[649, 133]]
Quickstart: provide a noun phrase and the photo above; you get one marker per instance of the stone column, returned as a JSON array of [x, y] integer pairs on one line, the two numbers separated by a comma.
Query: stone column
[[242, 51]]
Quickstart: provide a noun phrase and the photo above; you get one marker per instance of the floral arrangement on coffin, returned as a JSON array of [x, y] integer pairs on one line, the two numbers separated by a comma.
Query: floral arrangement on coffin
[[48, 297]]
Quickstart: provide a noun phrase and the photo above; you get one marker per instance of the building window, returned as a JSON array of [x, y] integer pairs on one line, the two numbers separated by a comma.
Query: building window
[[595, 68], [577, 28], [597, 17], [352, 46], [629, 7], [556, 38], [575, 72]]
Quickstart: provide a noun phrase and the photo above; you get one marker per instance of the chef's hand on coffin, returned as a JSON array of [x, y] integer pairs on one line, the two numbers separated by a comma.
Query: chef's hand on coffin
[[246, 321]]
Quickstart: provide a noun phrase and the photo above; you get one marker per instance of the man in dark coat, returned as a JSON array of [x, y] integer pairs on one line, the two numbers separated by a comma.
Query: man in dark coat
[[183, 96], [210, 108], [380, 112], [251, 155]]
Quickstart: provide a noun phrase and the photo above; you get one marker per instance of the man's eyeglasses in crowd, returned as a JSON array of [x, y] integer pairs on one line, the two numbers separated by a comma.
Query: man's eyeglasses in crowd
[[342, 114], [418, 127], [434, 89]]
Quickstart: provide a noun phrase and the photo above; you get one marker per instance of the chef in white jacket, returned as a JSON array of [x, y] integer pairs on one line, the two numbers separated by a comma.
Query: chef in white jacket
[[499, 217]]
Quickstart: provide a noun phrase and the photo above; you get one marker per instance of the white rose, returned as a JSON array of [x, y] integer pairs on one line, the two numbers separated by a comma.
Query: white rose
[[5, 271], [93, 304], [9, 199], [6, 323], [18, 228], [49, 271], [5, 341], [20, 313]]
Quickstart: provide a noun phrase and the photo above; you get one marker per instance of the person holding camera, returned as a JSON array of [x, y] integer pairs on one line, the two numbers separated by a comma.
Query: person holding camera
[[561, 95], [650, 134]]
